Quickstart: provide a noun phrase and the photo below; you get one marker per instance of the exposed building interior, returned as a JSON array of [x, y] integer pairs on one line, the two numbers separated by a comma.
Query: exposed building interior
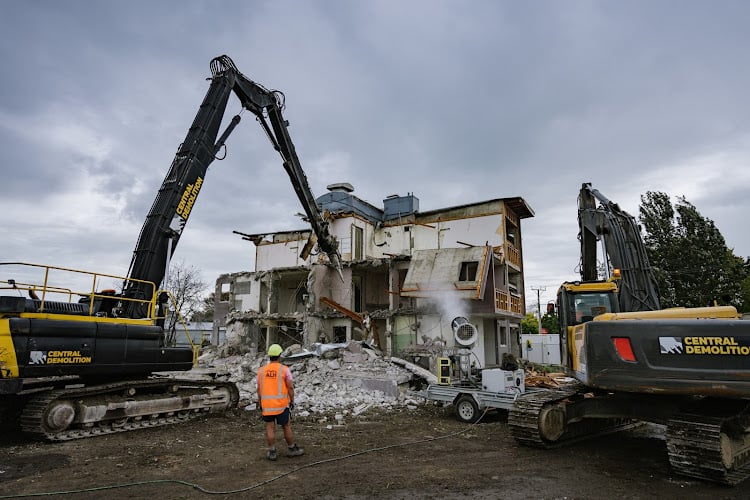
[[405, 276]]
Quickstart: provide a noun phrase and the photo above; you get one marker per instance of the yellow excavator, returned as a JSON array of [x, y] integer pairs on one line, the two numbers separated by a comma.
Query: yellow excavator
[[687, 369], [77, 368]]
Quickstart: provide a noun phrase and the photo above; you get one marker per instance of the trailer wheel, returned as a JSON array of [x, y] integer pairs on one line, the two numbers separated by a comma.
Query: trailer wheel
[[467, 410]]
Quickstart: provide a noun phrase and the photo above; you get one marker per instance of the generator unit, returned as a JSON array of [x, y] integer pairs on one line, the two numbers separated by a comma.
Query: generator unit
[[503, 381]]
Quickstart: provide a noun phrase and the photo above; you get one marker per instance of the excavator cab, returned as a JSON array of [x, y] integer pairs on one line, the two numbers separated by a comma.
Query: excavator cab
[[578, 303], [587, 305]]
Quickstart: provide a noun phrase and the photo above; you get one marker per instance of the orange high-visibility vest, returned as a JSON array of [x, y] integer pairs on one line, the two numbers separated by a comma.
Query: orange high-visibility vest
[[274, 396]]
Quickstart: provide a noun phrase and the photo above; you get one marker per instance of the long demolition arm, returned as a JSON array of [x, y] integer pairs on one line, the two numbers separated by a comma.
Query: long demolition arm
[[624, 247], [266, 105], [177, 195]]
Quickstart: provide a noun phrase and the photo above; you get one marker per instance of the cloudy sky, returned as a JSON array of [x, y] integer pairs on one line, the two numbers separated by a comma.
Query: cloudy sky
[[455, 101]]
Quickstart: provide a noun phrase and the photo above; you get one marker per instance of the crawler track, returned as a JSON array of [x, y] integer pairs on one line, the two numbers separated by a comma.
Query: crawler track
[[699, 448], [75, 413], [527, 419]]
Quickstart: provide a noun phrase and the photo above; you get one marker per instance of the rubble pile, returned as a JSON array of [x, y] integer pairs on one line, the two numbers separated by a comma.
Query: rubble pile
[[346, 378]]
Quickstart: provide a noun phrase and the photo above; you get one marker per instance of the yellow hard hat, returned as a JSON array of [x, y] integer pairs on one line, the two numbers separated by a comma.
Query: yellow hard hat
[[275, 350]]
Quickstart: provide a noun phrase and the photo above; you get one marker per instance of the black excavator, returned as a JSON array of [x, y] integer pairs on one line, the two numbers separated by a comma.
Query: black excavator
[[77, 368], [685, 368]]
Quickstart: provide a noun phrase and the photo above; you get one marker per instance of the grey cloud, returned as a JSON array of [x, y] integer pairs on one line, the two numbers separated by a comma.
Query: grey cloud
[[455, 102]]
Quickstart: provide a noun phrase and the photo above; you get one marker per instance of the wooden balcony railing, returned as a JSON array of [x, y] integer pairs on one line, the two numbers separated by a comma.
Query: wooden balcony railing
[[512, 255], [508, 302]]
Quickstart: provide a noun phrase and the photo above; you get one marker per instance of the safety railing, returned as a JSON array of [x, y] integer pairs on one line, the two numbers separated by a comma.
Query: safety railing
[[49, 286]]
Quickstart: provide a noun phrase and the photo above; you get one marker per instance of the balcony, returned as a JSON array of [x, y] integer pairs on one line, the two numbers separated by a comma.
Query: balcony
[[512, 255], [508, 302]]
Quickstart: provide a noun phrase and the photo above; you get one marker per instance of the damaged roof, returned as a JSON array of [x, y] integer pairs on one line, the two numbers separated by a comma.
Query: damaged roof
[[462, 272], [397, 210], [517, 204]]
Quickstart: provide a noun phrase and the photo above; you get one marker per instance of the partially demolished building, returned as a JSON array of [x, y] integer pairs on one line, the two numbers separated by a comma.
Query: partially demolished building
[[406, 275]]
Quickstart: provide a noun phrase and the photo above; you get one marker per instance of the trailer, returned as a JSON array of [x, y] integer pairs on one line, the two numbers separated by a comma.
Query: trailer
[[495, 389]]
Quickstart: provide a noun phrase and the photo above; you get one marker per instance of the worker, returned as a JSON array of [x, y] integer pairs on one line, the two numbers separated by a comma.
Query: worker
[[276, 400]]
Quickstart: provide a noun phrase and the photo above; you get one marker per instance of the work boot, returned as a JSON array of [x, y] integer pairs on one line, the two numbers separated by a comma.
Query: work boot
[[271, 455], [295, 451]]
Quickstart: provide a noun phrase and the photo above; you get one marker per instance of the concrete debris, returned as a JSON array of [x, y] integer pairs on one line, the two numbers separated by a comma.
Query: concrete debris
[[360, 409], [343, 379], [329, 351], [430, 377], [354, 357]]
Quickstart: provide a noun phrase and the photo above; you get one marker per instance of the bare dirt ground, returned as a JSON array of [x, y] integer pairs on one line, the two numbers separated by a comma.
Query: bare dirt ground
[[418, 454]]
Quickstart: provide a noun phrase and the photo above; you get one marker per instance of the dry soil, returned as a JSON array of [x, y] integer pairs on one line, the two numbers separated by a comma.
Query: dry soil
[[417, 454]]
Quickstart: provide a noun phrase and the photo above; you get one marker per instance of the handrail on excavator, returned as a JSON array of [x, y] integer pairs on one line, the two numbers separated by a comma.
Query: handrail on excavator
[[44, 289]]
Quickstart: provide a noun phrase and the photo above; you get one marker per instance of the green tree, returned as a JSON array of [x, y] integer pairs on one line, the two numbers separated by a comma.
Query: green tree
[[549, 323], [742, 268], [745, 285], [692, 264], [529, 324], [658, 218]]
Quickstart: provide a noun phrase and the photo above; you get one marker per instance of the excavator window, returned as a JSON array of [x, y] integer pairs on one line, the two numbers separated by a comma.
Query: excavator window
[[588, 305]]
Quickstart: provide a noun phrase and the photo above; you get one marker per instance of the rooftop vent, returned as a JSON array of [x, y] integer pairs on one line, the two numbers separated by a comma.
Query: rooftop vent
[[343, 187], [395, 206]]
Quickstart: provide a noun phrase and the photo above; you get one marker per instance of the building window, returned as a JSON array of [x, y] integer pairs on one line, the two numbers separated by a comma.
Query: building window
[[511, 233], [503, 336], [358, 241], [468, 271], [513, 282], [357, 293], [339, 334]]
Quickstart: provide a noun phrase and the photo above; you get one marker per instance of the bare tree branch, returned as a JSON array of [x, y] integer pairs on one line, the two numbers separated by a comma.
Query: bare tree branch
[[186, 285]]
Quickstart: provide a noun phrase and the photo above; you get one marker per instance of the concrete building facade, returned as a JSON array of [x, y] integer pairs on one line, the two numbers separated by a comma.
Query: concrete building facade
[[406, 275]]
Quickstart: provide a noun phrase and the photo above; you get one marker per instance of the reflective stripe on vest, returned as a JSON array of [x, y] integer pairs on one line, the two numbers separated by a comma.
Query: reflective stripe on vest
[[274, 396]]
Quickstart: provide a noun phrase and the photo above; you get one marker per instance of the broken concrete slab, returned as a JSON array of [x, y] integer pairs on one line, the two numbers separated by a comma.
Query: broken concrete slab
[[430, 377], [389, 385], [354, 357]]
